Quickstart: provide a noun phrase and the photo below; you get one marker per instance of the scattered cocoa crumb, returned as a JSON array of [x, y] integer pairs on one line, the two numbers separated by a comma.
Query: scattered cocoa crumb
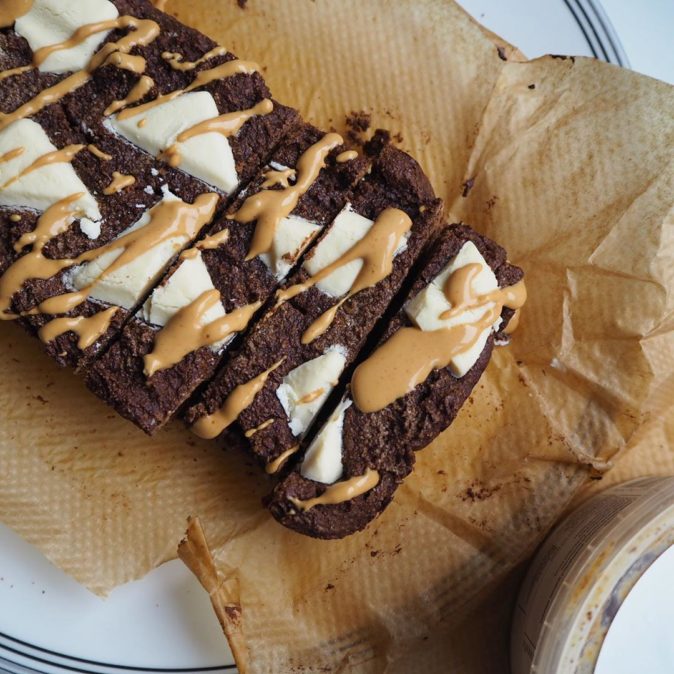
[[233, 613], [467, 187], [359, 120], [357, 123], [441, 472], [242, 3], [329, 586], [39, 398], [502, 53], [478, 492], [398, 548], [398, 137], [531, 86], [374, 553]]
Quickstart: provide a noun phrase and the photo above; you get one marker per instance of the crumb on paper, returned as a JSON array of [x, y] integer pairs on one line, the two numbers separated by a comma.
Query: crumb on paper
[[242, 3], [467, 187], [357, 124]]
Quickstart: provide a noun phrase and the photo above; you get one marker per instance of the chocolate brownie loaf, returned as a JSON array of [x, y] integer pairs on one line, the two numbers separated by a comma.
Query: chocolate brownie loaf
[[407, 391], [176, 340], [294, 356]]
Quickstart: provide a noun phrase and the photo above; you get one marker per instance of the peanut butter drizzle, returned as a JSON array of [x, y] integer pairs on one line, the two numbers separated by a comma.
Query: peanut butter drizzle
[[168, 220], [211, 425], [276, 464], [228, 124], [376, 249], [171, 155], [185, 332], [12, 154], [175, 60], [409, 356], [269, 207], [14, 71], [311, 396], [138, 91], [201, 79], [62, 156], [11, 10], [119, 182], [347, 155], [97, 152], [145, 31], [89, 330], [282, 178], [55, 220], [214, 240], [251, 432], [134, 64], [513, 323], [346, 490], [80, 35]]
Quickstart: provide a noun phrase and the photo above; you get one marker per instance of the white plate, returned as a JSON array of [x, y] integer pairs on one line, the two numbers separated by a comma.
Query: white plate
[[50, 623], [164, 623]]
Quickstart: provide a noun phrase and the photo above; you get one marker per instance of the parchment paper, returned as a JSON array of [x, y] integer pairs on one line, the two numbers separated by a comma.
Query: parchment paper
[[574, 176]]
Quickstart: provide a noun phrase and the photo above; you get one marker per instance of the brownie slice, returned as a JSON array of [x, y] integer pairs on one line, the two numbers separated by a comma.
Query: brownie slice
[[282, 411], [385, 440], [121, 378], [163, 65], [250, 146]]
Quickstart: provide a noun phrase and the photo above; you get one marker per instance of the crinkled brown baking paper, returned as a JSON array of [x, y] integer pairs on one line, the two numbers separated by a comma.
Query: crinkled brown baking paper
[[571, 169]]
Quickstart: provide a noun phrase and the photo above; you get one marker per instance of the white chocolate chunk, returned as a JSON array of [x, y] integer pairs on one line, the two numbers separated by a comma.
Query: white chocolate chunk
[[207, 156], [41, 188], [426, 308], [323, 460], [317, 378], [50, 22], [292, 236], [347, 230], [189, 281], [125, 286]]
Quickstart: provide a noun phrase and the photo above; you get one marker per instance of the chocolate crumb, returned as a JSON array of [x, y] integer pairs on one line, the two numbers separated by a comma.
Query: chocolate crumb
[[357, 123], [376, 144], [502, 53], [359, 120], [242, 3], [467, 187], [374, 553], [329, 586], [531, 86], [477, 492]]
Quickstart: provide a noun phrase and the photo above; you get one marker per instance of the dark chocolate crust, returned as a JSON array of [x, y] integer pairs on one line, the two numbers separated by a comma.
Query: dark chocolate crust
[[118, 377], [386, 440], [395, 180]]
